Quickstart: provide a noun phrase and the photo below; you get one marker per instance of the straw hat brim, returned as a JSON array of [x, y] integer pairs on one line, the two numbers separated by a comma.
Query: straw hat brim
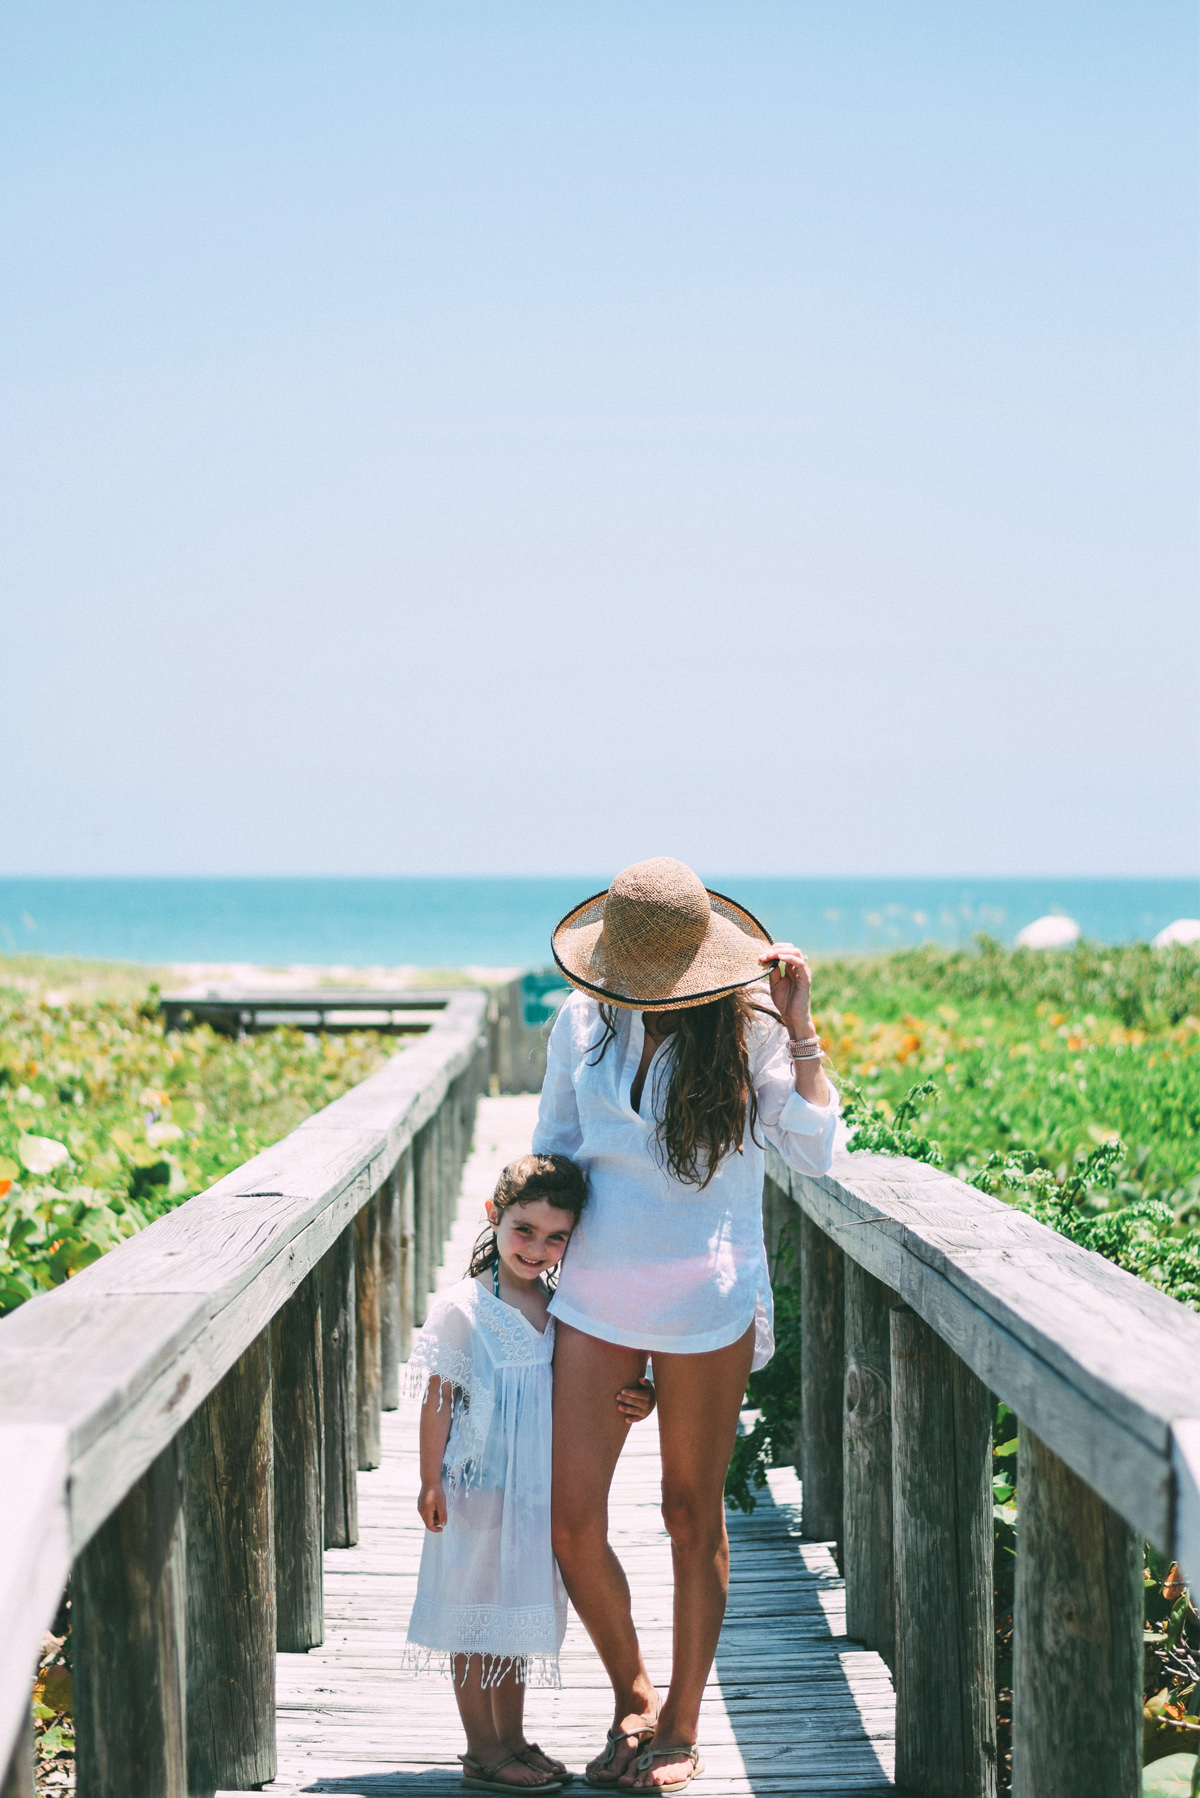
[[728, 956]]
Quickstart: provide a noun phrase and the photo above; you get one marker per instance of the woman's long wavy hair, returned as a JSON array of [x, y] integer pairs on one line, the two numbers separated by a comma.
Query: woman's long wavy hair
[[554, 1178], [711, 1096]]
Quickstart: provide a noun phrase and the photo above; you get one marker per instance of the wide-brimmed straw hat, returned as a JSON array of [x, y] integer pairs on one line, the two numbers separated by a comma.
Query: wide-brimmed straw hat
[[659, 940]]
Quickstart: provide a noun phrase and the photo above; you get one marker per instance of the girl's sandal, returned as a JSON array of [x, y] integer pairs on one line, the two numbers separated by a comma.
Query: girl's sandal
[[617, 1739], [553, 1769], [645, 1761], [478, 1778]]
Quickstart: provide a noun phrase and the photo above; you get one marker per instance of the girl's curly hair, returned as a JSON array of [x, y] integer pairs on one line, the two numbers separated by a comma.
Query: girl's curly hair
[[711, 1096], [554, 1178]]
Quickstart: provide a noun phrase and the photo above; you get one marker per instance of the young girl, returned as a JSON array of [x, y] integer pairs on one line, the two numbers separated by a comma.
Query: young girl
[[490, 1602]]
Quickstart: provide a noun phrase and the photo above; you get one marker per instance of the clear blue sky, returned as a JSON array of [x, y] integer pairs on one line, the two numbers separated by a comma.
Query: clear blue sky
[[472, 435]]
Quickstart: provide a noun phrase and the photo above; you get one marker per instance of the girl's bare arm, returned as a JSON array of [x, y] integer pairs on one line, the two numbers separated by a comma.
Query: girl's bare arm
[[436, 1414]]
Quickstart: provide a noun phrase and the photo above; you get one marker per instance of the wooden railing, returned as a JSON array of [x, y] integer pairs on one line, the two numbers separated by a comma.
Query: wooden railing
[[922, 1298], [182, 1423]]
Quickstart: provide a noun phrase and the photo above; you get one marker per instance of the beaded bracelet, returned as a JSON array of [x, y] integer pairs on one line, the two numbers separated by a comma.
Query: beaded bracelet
[[816, 1054], [802, 1042]]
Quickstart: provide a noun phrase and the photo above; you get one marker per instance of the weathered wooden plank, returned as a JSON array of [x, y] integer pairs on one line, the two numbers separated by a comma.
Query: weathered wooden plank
[[339, 1359], [298, 1410], [407, 1268], [368, 1364], [127, 1638], [1117, 1462], [942, 1510], [1077, 1660], [1185, 1461], [231, 1625], [821, 1379], [18, 1779], [35, 1559], [388, 1199], [867, 1444]]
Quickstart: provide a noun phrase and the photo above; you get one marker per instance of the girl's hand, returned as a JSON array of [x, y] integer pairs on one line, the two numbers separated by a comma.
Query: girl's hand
[[791, 991], [431, 1506], [637, 1401]]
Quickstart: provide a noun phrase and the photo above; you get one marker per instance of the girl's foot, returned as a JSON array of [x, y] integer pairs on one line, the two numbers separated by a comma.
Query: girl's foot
[[543, 1764], [625, 1742], [507, 1773]]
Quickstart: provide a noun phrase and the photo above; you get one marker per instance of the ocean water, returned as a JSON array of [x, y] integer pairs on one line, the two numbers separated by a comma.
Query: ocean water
[[452, 922]]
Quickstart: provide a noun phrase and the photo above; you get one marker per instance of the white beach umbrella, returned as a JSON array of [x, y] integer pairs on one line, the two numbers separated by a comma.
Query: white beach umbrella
[[1183, 930], [1052, 932]]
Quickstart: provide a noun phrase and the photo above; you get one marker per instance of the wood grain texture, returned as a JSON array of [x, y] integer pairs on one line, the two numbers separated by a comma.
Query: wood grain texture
[[35, 1559], [407, 1271], [339, 1332], [821, 1375], [227, 1452], [389, 1291], [18, 1777], [298, 1414], [1071, 1342], [942, 1512], [128, 1646], [368, 1365], [867, 1463], [1185, 1460], [1078, 1631]]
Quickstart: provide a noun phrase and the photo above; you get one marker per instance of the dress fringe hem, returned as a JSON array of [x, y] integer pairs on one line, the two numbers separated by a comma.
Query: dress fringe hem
[[527, 1669]]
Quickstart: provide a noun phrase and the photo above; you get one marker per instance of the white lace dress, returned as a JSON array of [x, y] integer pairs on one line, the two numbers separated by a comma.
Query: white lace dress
[[489, 1584]]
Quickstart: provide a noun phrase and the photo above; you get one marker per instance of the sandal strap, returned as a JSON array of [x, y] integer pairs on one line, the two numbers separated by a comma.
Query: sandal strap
[[617, 1738], [667, 1754]]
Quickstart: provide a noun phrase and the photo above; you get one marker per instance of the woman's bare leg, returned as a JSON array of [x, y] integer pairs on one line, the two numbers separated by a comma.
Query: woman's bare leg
[[589, 1434], [699, 1397]]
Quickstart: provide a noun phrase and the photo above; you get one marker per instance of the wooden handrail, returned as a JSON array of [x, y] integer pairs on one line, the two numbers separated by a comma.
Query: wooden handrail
[[1103, 1373], [98, 1377]]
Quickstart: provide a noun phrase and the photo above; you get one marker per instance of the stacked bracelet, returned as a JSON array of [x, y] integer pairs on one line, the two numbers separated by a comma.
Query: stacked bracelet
[[802, 1042], [807, 1054]]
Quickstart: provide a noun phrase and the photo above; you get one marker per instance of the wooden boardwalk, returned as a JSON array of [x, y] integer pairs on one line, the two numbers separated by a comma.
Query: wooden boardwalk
[[791, 1706]]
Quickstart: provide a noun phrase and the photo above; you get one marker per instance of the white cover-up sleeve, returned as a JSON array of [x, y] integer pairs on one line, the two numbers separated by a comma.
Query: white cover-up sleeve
[[802, 1132], [558, 1130], [449, 1346]]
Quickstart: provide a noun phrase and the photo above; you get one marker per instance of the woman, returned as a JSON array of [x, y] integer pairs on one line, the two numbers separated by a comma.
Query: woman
[[667, 1070]]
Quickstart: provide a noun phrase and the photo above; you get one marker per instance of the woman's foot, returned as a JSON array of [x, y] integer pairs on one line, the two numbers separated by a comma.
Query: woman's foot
[[626, 1740], [674, 1763]]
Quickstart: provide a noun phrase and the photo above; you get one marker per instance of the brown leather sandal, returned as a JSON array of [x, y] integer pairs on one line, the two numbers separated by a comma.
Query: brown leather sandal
[[556, 1771], [645, 1761], [616, 1739], [478, 1778]]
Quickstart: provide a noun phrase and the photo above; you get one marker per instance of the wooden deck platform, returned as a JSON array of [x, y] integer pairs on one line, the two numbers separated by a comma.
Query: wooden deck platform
[[791, 1706]]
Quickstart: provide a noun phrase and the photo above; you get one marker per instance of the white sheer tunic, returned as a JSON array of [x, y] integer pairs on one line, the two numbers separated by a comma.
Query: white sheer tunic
[[653, 1263], [489, 1583]]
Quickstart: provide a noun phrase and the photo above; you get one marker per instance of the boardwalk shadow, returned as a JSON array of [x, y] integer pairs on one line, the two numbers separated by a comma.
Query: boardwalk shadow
[[430, 1782], [807, 1708]]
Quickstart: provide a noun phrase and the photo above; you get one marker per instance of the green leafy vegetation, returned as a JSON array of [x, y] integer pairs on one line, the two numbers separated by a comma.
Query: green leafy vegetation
[[107, 1120]]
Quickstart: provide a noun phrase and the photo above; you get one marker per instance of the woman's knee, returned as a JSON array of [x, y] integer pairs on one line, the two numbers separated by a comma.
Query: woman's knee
[[695, 1520], [577, 1532]]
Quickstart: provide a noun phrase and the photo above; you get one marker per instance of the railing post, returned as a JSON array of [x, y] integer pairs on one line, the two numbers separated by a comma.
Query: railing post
[[390, 1330], [1077, 1646], [228, 1500], [867, 1463], [18, 1781], [407, 1255], [368, 1366], [128, 1604], [942, 1500], [298, 1406], [424, 1218], [339, 1330], [821, 1367]]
